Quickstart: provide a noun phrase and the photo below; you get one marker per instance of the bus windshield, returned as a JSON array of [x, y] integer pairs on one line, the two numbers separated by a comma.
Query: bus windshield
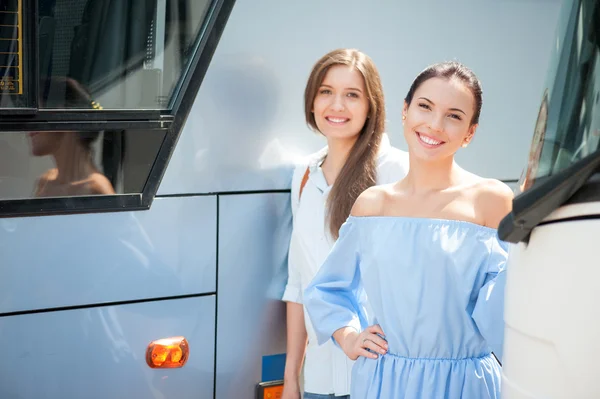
[[568, 124]]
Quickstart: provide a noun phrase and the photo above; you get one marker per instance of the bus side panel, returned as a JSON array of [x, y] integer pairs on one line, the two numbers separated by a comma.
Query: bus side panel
[[100, 352], [254, 232], [247, 124], [86, 259]]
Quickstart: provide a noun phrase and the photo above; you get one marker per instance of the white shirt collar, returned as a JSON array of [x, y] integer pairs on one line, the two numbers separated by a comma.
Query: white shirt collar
[[314, 164]]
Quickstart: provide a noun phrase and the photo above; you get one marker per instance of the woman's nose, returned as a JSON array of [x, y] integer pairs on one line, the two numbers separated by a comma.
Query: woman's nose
[[437, 123], [338, 104]]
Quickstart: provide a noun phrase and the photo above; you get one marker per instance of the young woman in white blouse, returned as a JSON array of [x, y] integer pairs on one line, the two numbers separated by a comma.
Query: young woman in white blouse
[[344, 102]]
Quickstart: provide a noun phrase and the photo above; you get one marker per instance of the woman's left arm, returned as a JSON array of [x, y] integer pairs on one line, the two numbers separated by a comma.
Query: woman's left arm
[[494, 203]]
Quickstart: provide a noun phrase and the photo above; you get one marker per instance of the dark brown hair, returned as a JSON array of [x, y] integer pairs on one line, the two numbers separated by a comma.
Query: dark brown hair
[[360, 170], [72, 95], [449, 70]]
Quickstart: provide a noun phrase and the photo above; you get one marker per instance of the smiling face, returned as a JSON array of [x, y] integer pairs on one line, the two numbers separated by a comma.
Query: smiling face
[[341, 107], [438, 119]]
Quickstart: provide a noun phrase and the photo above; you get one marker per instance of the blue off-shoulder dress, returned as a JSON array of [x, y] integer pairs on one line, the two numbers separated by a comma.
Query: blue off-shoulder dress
[[436, 288]]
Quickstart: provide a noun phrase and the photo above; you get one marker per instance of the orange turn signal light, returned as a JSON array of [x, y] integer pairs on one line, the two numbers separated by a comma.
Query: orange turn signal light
[[168, 353]]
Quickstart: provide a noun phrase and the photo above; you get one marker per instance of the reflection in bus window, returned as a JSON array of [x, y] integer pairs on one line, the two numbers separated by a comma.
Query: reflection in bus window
[[129, 54], [76, 163], [74, 172], [535, 151], [571, 112]]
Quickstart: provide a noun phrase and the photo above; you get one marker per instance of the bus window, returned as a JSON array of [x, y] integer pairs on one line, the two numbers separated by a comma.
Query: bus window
[[126, 54], [568, 124], [93, 96], [565, 152], [46, 164]]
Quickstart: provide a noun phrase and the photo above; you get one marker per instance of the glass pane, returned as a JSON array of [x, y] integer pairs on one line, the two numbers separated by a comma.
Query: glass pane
[[122, 54], [568, 124], [67, 164], [12, 57]]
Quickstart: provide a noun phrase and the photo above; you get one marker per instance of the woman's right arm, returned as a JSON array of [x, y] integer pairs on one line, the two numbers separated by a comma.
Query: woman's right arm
[[355, 344], [296, 347], [334, 298], [296, 329]]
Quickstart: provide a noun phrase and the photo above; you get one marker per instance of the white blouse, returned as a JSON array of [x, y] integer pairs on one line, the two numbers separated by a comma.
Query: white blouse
[[327, 369]]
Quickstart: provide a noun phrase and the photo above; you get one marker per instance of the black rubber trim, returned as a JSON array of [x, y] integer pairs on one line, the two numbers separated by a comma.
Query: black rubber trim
[[570, 219], [242, 192], [589, 192], [286, 190], [216, 301], [20, 127], [534, 205], [217, 19], [70, 205], [498, 360], [8, 112], [104, 304], [77, 116]]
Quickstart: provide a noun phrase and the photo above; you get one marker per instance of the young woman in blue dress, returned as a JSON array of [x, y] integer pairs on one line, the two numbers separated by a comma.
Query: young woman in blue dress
[[414, 286]]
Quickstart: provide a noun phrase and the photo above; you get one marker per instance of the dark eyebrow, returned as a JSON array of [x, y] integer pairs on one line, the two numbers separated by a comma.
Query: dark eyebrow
[[451, 109], [348, 88]]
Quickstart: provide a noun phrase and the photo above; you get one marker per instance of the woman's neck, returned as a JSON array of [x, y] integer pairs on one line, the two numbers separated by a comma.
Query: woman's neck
[[337, 154], [73, 162], [432, 176]]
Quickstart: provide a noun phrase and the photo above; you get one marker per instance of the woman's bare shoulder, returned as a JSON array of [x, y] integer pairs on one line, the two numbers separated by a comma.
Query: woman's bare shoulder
[[493, 200], [371, 201], [100, 185]]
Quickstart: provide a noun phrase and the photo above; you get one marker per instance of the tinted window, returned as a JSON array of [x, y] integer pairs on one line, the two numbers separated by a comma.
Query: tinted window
[[76, 77], [127, 54], [69, 164], [568, 124]]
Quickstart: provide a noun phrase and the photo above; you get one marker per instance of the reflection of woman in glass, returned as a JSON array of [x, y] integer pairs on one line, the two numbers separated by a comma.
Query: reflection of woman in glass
[[414, 286], [537, 142], [75, 173]]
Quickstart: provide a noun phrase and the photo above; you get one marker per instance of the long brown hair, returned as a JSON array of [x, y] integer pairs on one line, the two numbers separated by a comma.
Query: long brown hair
[[360, 170]]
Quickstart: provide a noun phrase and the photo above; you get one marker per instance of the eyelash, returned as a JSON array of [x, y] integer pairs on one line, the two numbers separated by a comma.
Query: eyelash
[[453, 116], [327, 91]]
